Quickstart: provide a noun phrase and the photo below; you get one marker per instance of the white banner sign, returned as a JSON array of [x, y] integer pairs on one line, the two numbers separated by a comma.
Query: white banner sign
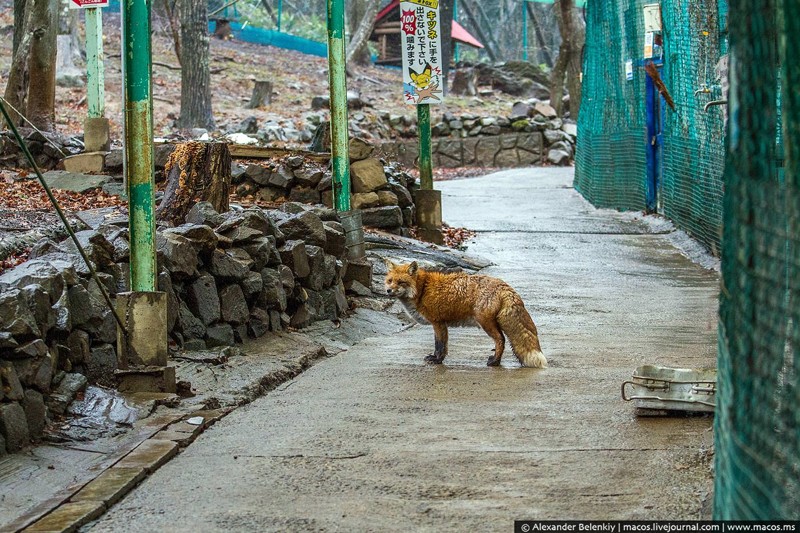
[[82, 4], [422, 51]]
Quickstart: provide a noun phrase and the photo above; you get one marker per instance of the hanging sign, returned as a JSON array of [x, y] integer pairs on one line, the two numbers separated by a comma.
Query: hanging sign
[[648, 44], [421, 48], [81, 4], [629, 70]]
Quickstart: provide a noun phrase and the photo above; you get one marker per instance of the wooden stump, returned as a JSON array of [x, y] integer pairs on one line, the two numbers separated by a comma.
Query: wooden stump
[[262, 94], [196, 172], [465, 82], [321, 142]]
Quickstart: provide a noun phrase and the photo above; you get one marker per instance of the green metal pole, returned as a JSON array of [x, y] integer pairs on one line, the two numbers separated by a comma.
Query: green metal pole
[[425, 158], [138, 147], [524, 30], [338, 90], [280, 13], [95, 80], [455, 18]]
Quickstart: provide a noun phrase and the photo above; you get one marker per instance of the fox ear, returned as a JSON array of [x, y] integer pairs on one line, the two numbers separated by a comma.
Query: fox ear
[[391, 265], [412, 268]]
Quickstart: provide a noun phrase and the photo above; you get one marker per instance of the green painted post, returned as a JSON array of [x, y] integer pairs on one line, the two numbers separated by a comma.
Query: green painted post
[[425, 158], [455, 44], [138, 147], [338, 91], [280, 13], [524, 30], [95, 78]]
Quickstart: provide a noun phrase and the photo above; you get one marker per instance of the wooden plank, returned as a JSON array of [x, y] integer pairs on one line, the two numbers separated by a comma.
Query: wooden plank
[[243, 151]]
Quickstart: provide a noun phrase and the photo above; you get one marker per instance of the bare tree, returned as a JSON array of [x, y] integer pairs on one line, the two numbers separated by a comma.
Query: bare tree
[[195, 75], [16, 92], [446, 20], [568, 64], [363, 11], [41, 89]]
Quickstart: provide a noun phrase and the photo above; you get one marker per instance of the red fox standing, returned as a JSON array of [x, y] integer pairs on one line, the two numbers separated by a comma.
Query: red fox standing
[[457, 299]]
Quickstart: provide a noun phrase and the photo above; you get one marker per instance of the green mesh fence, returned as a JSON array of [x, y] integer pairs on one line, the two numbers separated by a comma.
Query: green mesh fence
[[611, 162], [757, 426]]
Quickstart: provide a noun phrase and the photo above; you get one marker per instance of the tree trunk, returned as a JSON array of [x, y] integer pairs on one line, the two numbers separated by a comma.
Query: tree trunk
[[357, 50], [195, 75], [262, 94], [42, 64], [173, 27], [17, 85], [196, 172], [446, 21], [539, 37], [568, 64]]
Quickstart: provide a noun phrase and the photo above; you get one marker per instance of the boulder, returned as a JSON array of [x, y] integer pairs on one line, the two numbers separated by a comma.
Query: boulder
[[382, 217], [9, 381], [189, 325], [69, 387], [180, 254], [367, 175], [558, 157], [201, 235], [315, 280], [220, 335], [293, 255], [546, 110], [233, 306], [308, 176], [387, 198], [35, 413], [287, 277], [14, 427], [203, 299], [364, 200], [259, 323], [335, 241], [102, 364], [230, 265], [95, 245], [39, 304], [273, 295], [251, 285], [262, 251], [78, 344], [43, 272], [360, 149], [304, 226], [282, 178], [305, 195], [204, 213]]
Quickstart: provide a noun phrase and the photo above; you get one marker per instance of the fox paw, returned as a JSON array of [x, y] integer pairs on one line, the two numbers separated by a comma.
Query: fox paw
[[493, 361], [433, 359]]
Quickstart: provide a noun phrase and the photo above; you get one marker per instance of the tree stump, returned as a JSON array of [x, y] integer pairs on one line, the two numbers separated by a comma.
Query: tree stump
[[222, 29], [262, 94], [196, 172], [465, 82]]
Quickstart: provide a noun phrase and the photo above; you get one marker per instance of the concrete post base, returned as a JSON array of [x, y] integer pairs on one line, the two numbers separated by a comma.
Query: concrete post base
[[429, 215], [96, 135], [85, 163], [353, 234], [142, 355]]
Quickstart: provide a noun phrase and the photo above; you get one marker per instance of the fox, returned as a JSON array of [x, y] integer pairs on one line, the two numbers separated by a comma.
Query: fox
[[458, 299]]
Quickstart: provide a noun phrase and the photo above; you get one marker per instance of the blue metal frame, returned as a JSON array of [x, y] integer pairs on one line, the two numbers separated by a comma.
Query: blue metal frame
[[654, 114]]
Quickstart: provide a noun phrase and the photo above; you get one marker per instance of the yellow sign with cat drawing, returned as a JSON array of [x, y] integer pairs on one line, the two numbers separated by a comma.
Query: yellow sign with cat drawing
[[421, 49]]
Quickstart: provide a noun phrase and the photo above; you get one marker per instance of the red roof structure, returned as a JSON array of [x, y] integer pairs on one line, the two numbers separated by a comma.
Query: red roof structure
[[387, 34]]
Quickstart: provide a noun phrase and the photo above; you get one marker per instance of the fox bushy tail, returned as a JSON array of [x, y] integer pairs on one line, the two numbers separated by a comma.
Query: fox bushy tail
[[518, 326]]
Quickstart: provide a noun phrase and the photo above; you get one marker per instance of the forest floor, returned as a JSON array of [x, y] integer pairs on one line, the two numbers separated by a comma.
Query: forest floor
[[234, 66]]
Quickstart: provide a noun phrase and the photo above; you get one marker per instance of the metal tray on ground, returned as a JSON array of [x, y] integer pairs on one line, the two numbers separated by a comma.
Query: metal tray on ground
[[656, 389]]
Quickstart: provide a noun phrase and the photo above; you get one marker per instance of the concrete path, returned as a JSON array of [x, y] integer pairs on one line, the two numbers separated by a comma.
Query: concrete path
[[375, 440]]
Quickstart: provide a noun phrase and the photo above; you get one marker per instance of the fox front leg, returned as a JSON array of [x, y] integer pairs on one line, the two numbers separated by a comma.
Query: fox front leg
[[440, 344]]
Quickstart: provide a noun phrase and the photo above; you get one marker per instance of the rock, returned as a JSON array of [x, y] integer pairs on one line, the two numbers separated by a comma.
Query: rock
[[564, 146], [364, 200], [189, 325], [283, 178], [360, 271], [16, 318], [69, 386], [42, 373], [35, 413], [220, 335], [262, 251], [44, 247], [340, 299], [37, 272], [546, 110], [35, 349], [201, 235], [455, 125], [308, 176], [558, 157], [326, 183], [335, 240], [305, 226], [204, 213], [440, 129], [230, 266], [382, 217], [85, 309], [293, 255], [102, 364], [39, 304], [404, 198], [180, 254], [14, 427], [553, 136], [360, 149], [287, 277], [273, 295], [72, 181], [329, 270], [387, 198], [78, 345], [9, 381], [570, 128], [305, 195], [302, 317], [251, 285], [248, 125], [354, 100], [243, 234], [321, 102], [316, 262], [259, 323], [367, 175], [61, 311], [203, 299], [358, 289], [258, 173], [233, 306], [7, 341], [97, 248], [521, 125]]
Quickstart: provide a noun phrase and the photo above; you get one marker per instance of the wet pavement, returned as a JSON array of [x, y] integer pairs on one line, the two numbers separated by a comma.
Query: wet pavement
[[375, 440]]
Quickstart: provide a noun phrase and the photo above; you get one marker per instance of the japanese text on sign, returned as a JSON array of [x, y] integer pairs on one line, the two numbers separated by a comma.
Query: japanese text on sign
[[421, 49]]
